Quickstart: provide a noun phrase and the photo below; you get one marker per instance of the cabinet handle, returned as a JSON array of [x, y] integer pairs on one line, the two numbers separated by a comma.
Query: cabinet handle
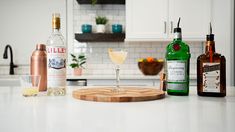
[[171, 26], [165, 27]]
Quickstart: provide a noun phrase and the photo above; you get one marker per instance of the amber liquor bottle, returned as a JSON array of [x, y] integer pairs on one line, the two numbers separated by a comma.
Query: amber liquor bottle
[[211, 71]]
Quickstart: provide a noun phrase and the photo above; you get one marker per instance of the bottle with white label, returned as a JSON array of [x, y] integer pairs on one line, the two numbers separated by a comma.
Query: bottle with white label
[[177, 65], [56, 60], [211, 71]]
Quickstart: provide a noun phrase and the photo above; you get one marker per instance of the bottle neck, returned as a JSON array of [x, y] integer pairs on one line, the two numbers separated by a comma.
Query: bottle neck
[[41, 47], [210, 47], [56, 31], [177, 36]]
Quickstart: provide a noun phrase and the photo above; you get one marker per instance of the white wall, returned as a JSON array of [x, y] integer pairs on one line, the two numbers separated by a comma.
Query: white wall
[[24, 23], [222, 19]]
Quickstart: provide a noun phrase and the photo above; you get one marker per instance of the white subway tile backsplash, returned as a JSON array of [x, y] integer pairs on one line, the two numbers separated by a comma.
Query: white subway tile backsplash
[[112, 12], [118, 7], [86, 18], [145, 55], [91, 13], [121, 12], [99, 59], [85, 7], [107, 7]]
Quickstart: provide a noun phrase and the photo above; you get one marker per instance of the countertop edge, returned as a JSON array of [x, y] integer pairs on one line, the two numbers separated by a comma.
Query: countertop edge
[[101, 77]]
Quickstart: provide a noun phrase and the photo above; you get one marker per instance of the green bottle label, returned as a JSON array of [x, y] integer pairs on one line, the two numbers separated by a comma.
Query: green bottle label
[[177, 74], [176, 70]]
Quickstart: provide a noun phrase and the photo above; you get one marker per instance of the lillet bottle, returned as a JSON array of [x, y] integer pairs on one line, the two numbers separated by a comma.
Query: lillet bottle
[[56, 60], [177, 65], [211, 71]]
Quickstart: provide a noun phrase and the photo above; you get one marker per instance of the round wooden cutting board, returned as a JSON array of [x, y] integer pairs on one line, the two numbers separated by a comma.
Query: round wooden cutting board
[[126, 94]]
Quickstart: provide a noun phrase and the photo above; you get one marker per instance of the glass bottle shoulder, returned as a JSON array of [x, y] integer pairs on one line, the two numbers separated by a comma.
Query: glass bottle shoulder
[[56, 38], [183, 53], [206, 57], [180, 42]]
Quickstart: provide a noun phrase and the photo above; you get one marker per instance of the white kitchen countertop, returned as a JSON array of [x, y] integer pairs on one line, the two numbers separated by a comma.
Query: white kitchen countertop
[[66, 114]]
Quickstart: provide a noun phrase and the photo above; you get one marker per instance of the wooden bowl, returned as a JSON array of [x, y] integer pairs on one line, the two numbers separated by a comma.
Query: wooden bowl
[[150, 68]]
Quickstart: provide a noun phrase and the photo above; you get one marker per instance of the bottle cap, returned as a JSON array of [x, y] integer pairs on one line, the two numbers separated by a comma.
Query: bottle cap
[[178, 30], [210, 36], [56, 21], [40, 47]]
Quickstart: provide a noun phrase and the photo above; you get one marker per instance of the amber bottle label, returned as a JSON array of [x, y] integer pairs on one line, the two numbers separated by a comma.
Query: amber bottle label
[[211, 77]]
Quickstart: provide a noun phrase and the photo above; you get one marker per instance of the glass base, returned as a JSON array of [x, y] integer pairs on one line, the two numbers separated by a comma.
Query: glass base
[[210, 94], [56, 91], [118, 90], [178, 92]]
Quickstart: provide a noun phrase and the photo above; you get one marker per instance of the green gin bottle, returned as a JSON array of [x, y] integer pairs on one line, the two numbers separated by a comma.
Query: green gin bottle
[[177, 65]]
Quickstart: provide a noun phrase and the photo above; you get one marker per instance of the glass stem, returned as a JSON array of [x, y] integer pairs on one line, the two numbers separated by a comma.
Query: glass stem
[[117, 77]]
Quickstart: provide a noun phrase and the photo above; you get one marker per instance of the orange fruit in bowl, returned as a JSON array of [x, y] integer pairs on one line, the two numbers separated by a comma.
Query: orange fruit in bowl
[[150, 59], [151, 66]]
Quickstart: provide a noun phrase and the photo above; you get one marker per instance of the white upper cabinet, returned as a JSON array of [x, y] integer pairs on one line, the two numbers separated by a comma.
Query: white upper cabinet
[[154, 20], [195, 17], [146, 19]]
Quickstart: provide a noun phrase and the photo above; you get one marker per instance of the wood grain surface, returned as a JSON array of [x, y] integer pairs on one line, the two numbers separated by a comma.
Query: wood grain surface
[[126, 94]]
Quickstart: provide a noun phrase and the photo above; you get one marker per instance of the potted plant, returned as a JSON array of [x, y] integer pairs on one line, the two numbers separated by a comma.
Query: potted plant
[[100, 24], [77, 63]]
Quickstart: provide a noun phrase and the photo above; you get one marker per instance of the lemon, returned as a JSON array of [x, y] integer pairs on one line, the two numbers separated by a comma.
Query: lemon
[[30, 91], [140, 60], [160, 60]]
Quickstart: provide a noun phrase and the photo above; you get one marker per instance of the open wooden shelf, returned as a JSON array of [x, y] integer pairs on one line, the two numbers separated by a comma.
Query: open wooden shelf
[[102, 1], [100, 37]]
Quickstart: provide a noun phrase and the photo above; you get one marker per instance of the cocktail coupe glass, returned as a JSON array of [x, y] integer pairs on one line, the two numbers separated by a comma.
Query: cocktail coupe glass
[[117, 56]]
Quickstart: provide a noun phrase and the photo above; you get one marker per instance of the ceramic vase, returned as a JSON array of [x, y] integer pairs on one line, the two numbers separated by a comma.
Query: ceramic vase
[[100, 28], [77, 71]]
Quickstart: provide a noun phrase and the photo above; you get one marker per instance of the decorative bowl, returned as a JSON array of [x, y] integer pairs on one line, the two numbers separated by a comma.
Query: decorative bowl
[[150, 68]]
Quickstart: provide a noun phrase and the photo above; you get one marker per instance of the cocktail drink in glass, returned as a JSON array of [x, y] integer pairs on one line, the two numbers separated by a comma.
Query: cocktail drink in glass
[[117, 57]]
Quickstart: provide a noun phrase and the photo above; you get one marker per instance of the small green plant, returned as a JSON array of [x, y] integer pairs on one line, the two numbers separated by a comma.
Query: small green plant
[[93, 2], [79, 61], [101, 20]]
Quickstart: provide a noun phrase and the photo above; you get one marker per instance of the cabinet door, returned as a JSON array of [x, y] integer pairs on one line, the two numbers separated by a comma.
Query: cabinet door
[[195, 17], [146, 20]]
